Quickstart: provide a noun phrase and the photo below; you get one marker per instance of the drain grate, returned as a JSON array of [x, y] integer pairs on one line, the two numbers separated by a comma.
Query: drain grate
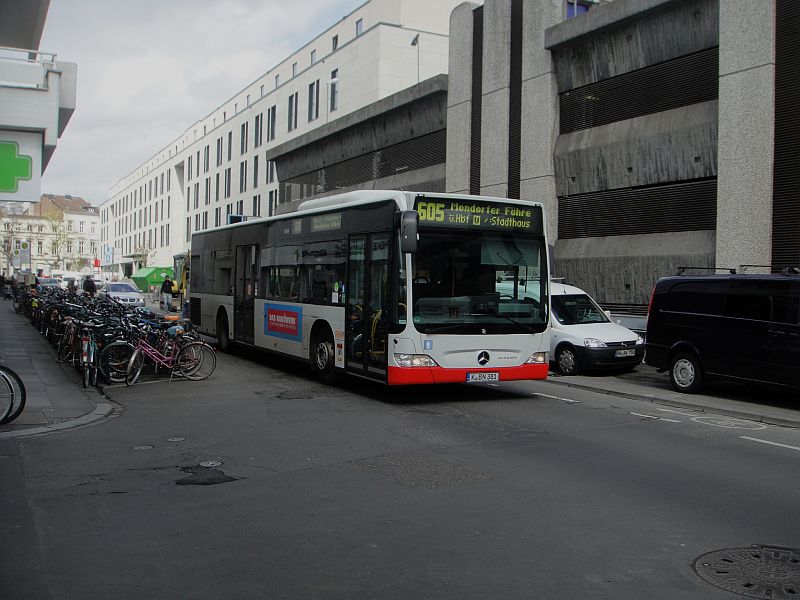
[[769, 572]]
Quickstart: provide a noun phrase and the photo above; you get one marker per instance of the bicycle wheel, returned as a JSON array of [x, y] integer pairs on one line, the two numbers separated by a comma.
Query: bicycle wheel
[[196, 361], [135, 365], [86, 372], [65, 345], [12, 395], [114, 361]]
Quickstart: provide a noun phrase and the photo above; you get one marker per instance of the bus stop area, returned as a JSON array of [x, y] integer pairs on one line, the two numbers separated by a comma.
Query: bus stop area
[[56, 400]]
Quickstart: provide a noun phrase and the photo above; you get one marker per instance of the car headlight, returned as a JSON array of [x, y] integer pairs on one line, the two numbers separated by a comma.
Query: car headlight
[[537, 358], [594, 343], [414, 360], [639, 340]]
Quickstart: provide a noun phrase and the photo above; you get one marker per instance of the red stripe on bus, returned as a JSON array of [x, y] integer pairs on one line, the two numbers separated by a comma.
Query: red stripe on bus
[[426, 375]]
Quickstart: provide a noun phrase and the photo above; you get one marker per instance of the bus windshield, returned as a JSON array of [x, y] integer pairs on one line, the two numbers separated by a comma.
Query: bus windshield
[[484, 282]]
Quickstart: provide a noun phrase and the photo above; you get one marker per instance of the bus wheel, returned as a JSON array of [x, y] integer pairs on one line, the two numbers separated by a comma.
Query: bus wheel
[[223, 339], [322, 358]]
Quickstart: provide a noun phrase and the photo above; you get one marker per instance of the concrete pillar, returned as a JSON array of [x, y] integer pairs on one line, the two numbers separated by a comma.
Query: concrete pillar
[[539, 109], [746, 132], [496, 81], [459, 99]]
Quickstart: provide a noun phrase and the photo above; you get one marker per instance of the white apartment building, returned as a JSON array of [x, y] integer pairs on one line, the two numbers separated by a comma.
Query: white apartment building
[[219, 166]]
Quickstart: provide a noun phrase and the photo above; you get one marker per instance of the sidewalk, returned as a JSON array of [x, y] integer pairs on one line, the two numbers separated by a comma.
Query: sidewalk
[[56, 399]]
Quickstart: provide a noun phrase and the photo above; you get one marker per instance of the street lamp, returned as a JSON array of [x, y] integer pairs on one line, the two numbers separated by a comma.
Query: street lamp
[[415, 42]]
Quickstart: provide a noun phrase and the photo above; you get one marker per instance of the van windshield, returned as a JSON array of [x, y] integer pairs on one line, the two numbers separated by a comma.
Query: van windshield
[[577, 309]]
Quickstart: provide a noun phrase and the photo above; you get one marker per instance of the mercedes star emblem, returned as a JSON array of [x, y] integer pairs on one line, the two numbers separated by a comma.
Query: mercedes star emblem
[[483, 358]]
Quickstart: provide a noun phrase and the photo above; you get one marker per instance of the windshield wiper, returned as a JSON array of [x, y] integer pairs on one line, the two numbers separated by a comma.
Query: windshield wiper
[[525, 328]]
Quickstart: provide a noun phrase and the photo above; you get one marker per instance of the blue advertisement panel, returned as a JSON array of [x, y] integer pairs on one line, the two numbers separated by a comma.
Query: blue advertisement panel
[[283, 321]]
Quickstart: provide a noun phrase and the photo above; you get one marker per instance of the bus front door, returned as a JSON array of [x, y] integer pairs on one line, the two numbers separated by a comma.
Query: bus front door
[[245, 293], [367, 289]]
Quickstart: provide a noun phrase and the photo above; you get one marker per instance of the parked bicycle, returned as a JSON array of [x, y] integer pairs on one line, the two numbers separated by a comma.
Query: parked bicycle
[[12, 395], [194, 360]]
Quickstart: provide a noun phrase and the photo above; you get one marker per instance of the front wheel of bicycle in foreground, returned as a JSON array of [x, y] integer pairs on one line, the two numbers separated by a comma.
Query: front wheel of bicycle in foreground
[[196, 361], [12, 395], [135, 365]]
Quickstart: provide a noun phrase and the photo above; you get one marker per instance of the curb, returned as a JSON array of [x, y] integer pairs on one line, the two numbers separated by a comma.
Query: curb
[[748, 416], [101, 411]]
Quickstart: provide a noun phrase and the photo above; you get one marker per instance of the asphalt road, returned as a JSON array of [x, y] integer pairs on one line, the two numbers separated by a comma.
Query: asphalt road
[[520, 490]]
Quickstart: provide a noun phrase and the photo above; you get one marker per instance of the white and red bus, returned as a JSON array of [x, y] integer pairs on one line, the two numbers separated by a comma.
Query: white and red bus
[[400, 287]]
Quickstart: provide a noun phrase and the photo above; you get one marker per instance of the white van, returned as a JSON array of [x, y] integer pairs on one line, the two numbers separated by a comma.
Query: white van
[[581, 335]]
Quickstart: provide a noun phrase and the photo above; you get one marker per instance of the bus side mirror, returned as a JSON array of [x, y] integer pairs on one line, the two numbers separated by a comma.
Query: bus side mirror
[[409, 219]]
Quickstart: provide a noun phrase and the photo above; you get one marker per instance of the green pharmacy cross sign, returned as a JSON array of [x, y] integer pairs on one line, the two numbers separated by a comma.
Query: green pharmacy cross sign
[[13, 166]]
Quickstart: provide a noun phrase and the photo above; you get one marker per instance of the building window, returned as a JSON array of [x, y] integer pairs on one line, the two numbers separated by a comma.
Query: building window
[[359, 27], [294, 69], [208, 191], [255, 172], [271, 114], [257, 205], [39, 248], [205, 220], [576, 8], [270, 171], [219, 151], [80, 247], [334, 43], [230, 145], [293, 111], [240, 207], [244, 136], [272, 202], [197, 174], [205, 159], [243, 176], [313, 101], [217, 213], [216, 189], [197, 195], [313, 56], [227, 191], [334, 85], [277, 80], [258, 130]]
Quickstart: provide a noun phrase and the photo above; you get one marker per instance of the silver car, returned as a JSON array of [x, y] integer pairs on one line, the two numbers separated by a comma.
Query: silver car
[[124, 293]]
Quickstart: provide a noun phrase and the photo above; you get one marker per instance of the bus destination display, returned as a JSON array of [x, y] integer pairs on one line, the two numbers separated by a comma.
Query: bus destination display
[[446, 212]]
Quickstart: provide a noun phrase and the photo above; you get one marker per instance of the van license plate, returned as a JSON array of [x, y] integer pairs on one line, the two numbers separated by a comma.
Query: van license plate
[[474, 377], [624, 353]]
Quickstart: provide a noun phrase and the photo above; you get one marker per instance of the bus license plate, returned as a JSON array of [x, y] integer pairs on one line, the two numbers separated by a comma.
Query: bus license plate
[[624, 353], [475, 377]]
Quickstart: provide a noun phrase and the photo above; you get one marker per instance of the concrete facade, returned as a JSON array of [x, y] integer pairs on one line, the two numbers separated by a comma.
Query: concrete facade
[[664, 162]]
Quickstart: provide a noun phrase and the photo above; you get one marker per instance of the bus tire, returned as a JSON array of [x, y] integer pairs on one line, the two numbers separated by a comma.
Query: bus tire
[[323, 362], [223, 337]]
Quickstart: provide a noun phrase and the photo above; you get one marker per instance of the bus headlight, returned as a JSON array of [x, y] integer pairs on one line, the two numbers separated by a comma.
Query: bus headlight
[[537, 358], [414, 360]]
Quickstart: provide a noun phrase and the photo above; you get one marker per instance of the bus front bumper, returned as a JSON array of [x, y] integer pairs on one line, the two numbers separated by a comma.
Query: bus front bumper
[[429, 375]]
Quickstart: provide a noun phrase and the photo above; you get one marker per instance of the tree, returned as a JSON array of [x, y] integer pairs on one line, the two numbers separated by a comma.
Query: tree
[[58, 237]]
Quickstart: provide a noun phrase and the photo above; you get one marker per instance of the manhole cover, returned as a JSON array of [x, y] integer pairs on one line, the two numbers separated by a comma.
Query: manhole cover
[[210, 463], [756, 572], [144, 447]]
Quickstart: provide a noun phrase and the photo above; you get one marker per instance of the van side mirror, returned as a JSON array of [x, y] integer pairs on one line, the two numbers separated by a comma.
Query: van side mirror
[[409, 221]]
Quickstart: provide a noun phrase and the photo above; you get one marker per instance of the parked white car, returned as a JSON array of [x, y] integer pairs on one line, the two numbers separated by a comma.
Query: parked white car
[[123, 292], [582, 336]]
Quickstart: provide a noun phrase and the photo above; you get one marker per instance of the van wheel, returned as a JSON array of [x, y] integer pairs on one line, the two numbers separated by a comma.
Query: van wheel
[[322, 358], [685, 373], [567, 361], [223, 340]]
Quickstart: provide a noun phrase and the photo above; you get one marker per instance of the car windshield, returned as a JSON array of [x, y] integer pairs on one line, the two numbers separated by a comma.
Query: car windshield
[[49, 281], [577, 309], [121, 287], [467, 282]]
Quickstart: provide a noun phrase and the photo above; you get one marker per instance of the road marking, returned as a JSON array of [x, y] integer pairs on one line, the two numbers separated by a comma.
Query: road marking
[[677, 412], [654, 417], [729, 422], [558, 398], [752, 439]]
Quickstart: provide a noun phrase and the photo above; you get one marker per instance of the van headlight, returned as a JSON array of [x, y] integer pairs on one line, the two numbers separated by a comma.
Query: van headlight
[[537, 358], [414, 360], [594, 343]]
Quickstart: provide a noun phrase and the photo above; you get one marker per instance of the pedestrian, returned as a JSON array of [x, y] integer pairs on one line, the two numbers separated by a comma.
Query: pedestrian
[[89, 286], [71, 287], [166, 294]]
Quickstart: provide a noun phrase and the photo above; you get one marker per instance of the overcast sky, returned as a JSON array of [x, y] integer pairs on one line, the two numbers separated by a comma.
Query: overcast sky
[[148, 69]]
